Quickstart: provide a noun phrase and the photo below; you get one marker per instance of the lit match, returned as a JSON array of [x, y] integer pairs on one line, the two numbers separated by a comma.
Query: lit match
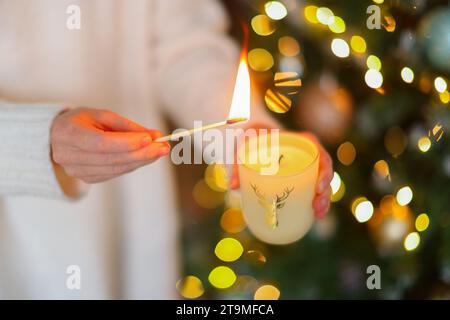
[[177, 136], [239, 110]]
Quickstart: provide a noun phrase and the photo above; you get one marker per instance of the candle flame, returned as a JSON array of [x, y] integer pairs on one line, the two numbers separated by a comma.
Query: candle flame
[[240, 104]]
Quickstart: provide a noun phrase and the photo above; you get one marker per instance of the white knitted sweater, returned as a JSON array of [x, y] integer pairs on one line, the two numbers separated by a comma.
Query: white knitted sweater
[[25, 166]]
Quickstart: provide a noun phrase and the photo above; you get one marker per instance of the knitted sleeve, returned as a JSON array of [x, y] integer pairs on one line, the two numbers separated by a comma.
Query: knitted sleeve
[[25, 162]]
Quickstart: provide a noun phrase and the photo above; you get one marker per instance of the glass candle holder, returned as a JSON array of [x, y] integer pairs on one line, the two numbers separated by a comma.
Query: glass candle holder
[[277, 204]]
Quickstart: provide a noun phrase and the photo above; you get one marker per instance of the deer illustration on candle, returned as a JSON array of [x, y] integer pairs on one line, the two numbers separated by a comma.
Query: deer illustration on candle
[[271, 207]]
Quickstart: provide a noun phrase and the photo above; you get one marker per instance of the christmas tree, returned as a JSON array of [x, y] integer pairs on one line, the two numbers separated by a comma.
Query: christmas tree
[[370, 79]]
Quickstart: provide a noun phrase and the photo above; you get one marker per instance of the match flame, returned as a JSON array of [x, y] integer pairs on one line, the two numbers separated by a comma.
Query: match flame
[[240, 104]]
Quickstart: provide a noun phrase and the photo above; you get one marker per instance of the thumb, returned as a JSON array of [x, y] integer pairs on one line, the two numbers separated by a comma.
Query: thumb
[[114, 122]]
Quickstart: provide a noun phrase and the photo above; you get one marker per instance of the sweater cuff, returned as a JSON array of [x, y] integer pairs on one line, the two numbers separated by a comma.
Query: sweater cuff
[[26, 167]]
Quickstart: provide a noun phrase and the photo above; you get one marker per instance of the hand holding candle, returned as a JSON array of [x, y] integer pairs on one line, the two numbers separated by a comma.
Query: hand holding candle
[[321, 202], [278, 204]]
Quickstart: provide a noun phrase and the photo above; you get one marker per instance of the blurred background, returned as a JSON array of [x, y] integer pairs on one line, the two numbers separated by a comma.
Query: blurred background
[[379, 101]]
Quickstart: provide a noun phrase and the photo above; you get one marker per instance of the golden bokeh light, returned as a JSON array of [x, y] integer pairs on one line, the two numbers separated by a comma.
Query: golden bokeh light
[[311, 14], [288, 81], [277, 102], [437, 132], [364, 211], [381, 168], [373, 78], [340, 48], [444, 96], [263, 25], [335, 183], [232, 221], [358, 44], [206, 197], [275, 10], [190, 287], [440, 84], [395, 141], [412, 241], [267, 292], [424, 144], [288, 46], [404, 196], [386, 204], [422, 222], [337, 188], [228, 249], [338, 25], [425, 84], [216, 177], [378, 1], [390, 24], [260, 59], [392, 221], [325, 15], [255, 257], [346, 153], [357, 201], [401, 212], [373, 62], [222, 277], [407, 75]]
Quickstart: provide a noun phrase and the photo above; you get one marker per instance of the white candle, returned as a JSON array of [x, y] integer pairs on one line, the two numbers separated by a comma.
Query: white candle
[[278, 207]]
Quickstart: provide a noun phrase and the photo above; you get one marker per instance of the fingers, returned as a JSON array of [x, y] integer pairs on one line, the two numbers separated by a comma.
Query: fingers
[[321, 203], [92, 172], [325, 164], [114, 122], [97, 145], [110, 142], [98, 141], [234, 182], [97, 179], [100, 131], [325, 171], [155, 134], [66, 156], [94, 168]]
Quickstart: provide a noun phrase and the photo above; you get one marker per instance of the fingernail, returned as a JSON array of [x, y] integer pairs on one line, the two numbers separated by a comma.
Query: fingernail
[[157, 134], [322, 186], [146, 141], [323, 202]]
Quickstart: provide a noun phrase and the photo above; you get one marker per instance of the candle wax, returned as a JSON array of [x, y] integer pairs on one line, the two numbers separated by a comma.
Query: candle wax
[[293, 160]]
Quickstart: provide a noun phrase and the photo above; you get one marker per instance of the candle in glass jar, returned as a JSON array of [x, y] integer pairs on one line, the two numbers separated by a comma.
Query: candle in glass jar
[[278, 206]]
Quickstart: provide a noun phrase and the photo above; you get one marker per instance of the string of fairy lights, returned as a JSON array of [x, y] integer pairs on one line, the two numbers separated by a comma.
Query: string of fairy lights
[[391, 221]]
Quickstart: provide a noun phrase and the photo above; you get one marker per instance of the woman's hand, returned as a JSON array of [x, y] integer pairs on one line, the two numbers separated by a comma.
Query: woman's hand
[[321, 201], [97, 145]]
